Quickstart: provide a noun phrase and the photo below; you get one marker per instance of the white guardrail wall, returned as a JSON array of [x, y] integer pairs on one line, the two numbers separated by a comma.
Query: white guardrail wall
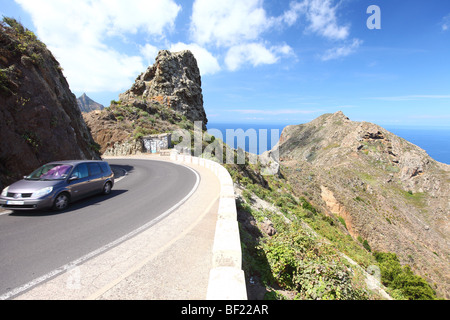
[[226, 279]]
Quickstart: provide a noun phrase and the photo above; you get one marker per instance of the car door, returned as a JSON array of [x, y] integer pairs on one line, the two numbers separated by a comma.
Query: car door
[[95, 177], [80, 187]]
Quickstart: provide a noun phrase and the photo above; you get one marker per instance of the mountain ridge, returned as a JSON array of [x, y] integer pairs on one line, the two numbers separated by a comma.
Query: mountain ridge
[[385, 189]]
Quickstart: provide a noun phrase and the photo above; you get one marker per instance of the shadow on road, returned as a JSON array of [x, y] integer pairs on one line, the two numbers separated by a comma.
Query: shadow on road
[[87, 202], [121, 170]]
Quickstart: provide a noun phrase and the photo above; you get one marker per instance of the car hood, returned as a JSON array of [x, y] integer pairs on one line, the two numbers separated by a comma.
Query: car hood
[[30, 186]]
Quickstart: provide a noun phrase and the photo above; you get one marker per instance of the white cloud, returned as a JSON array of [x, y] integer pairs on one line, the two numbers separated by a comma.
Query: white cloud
[[154, 17], [445, 24], [237, 26], [322, 17], [342, 51], [81, 34], [255, 54], [97, 69], [77, 31], [207, 63], [227, 23], [291, 16]]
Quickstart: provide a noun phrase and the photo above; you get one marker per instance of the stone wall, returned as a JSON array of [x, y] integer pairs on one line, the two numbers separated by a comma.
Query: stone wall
[[156, 143]]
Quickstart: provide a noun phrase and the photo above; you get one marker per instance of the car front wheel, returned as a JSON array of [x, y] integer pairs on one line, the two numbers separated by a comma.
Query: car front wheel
[[61, 202], [107, 188]]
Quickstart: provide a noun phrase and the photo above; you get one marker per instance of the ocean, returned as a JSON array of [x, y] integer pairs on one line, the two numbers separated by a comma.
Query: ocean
[[435, 141]]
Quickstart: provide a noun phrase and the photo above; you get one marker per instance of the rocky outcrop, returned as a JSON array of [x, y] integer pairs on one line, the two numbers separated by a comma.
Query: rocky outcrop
[[166, 97], [86, 104], [384, 188], [39, 117], [174, 80]]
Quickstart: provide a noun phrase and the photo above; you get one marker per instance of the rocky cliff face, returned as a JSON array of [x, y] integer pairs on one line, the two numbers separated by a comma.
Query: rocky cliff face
[[174, 80], [39, 117], [166, 97], [386, 190]]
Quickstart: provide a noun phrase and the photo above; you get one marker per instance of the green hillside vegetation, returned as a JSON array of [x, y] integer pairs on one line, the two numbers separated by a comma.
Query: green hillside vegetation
[[17, 40], [141, 119], [404, 284], [304, 259]]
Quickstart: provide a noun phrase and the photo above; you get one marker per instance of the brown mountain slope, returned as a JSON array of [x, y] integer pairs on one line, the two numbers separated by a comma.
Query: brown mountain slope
[[386, 190]]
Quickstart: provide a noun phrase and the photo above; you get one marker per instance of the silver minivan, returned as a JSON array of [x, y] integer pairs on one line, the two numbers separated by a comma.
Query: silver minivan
[[56, 184]]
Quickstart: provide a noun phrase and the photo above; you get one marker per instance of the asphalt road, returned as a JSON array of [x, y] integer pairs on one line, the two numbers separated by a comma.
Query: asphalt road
[[35, 244]]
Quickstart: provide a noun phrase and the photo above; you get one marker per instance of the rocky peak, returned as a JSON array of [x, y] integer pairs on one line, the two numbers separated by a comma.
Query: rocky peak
[[166, 97], [174, 80], [86, 104]]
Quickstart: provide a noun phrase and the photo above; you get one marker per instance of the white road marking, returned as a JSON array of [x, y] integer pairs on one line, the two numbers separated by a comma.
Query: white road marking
[[6, 212]]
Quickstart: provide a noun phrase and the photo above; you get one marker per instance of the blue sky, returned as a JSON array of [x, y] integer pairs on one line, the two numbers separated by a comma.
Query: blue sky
[[261, 61]]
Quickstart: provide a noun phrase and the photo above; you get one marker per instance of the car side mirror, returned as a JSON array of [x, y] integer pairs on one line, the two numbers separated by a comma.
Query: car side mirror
[[73, 178]]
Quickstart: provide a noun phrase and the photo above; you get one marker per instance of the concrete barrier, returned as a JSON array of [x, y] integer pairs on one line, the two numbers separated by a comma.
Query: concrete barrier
[[226, 283], [226, 279]]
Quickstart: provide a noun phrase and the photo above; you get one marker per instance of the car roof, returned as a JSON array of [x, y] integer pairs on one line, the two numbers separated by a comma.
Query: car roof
[[75, 162]]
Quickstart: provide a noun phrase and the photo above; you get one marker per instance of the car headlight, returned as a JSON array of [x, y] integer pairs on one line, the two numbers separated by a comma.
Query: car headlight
[[5, 192], [42, 192]]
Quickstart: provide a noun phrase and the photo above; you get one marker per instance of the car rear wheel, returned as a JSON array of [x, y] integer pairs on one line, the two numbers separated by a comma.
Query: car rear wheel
[[61, 202], [107, 188]]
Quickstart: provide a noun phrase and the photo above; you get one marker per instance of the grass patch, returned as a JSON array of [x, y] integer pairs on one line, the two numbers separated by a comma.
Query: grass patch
[[417, 199]]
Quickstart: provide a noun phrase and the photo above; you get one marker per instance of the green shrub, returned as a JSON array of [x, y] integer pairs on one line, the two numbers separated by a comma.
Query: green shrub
[[4, 82], [32, 139], [247, 196], [367, 246], [342, 221], [140, 132], [315, 271], [402, 280], [308, 206]]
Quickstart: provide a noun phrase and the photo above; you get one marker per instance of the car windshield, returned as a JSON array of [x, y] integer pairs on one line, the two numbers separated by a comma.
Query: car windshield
[[51, 172]]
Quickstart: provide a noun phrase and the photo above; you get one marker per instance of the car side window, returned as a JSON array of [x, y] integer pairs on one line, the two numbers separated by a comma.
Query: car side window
[[94, 169], [81, 171], [105, 167]]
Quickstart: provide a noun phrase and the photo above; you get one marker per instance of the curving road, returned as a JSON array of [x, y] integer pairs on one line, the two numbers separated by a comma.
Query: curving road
[[35, 245]]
